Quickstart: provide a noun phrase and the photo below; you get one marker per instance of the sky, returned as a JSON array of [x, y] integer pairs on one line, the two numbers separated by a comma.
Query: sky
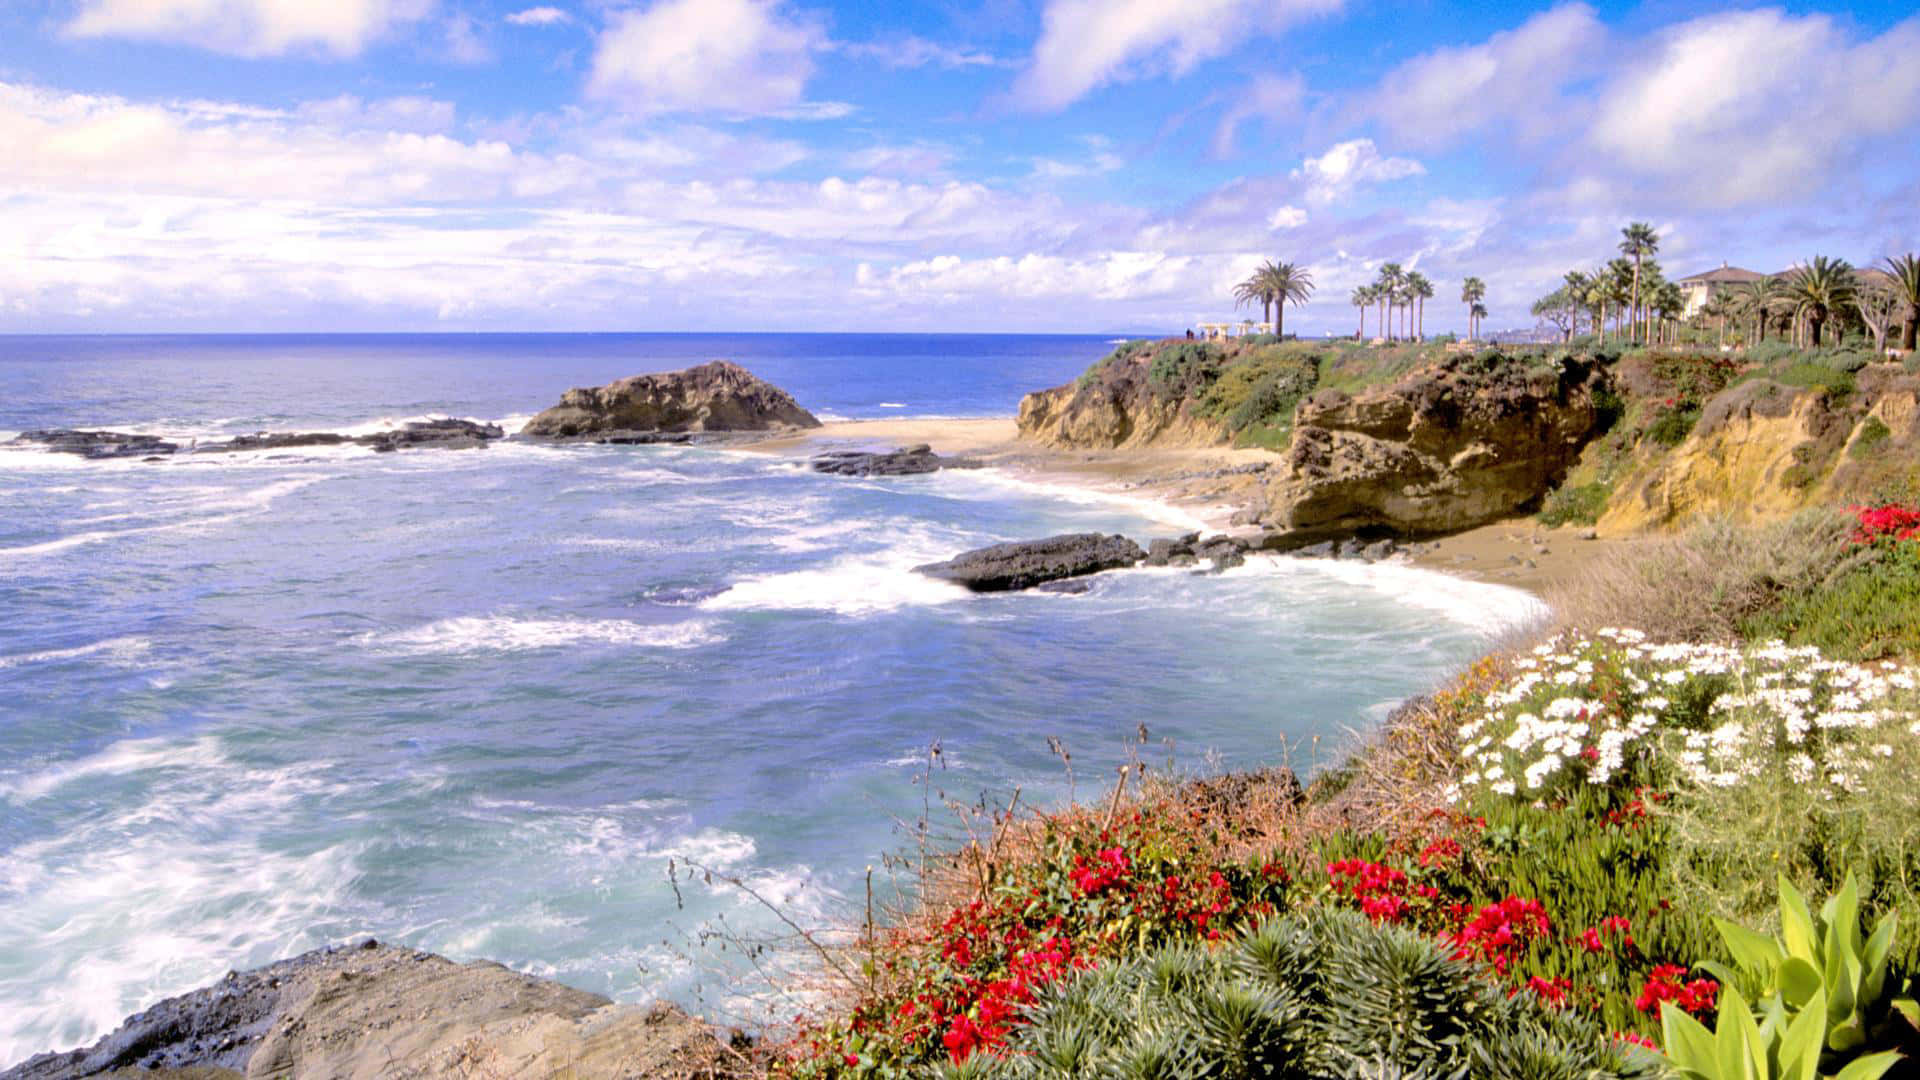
[[952, 165]]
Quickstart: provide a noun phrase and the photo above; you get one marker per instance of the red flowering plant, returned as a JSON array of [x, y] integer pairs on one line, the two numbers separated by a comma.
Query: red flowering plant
[[1887, 521], [1085, 892]]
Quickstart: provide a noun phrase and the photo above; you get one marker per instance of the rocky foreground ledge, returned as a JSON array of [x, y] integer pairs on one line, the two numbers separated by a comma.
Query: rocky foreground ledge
[[373, 1010]]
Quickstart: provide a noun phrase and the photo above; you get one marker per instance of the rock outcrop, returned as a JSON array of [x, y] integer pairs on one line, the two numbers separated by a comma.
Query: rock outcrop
[[1115, 406], [1030, 563], [717, 396], [907, 461], [442, 434], [377, 1011], [1451, 446]]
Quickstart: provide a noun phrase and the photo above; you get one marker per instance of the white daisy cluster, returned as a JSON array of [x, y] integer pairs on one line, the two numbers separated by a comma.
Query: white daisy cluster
[[1617, 707]]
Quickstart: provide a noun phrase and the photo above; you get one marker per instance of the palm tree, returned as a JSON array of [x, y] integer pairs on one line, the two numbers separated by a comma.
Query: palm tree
[[1906, 285], [1472, 291], [1476, 312], [1668, 301], [1580, 293], [1638, 240], [1362, 299], [1286, 283], [1758, 301], [1391, 281], [1250, 290], [1421, 290], [1620, 278], [1819, 290]]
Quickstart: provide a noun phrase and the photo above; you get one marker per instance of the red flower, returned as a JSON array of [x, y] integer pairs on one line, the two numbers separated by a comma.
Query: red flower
[[1696, 996]]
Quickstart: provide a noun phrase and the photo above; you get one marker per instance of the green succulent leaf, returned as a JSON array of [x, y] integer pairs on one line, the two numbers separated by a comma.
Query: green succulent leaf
[[1798, 983], [1688, 1043], [1870, 1067]]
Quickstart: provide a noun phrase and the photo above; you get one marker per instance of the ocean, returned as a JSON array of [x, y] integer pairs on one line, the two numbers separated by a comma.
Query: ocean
[[478, 701]]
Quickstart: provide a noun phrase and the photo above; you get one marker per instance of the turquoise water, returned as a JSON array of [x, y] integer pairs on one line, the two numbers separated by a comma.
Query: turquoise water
[[476, 701]]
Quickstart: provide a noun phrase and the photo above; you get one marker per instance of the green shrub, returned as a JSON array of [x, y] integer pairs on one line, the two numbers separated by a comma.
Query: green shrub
[[1185, 369], [1671, 426], [1864, 611], [1322, 994], [1833, 382], [1581, 505], [1261, 390], [1872, 438], [1609, 408], [1125, 351]]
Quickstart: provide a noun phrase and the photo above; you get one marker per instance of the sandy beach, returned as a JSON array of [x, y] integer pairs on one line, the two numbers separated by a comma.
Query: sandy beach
[[1195, 480], [1518, 551]]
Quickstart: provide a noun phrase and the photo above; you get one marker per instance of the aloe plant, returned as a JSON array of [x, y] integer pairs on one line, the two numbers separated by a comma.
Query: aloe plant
[[1825, 999]]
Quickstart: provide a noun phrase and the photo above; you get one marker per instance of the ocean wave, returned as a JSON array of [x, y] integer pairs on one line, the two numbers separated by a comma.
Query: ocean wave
[[855, 585], [971, 480], [505, 633], [1480, 606], [242, 504], [122, 651]]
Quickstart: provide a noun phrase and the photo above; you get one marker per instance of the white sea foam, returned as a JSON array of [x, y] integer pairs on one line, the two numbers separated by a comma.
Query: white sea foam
[[121, 651], [854, 585], [988, 481], [1480, 606], [240, 504], [156, 894], [506, 633], [891, 405]]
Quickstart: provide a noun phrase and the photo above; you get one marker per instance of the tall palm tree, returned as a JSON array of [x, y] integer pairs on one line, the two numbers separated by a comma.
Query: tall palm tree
[[1391, 281], [1906, 285], [1421, 291], [1759, 301], [1668, 301], [1620, 278], [1286, 283], [1580, 293], [1475, 312], [1819, 290], [1362, 299], [1472, 291], [1637, 241]]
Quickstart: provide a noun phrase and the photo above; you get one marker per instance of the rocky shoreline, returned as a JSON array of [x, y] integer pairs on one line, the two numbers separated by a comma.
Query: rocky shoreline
[[372, 1010]]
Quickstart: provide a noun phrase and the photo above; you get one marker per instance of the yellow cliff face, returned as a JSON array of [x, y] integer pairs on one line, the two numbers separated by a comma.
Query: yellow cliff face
[[1748, 467], [1762, 450]]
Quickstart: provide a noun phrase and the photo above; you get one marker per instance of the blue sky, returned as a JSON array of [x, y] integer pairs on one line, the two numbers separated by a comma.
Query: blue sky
[[1069, 165]]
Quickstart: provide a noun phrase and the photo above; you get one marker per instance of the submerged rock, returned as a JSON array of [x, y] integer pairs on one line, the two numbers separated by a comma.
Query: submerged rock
[[1025, 564], [443, 434], [717, 396], [373, 1010], [906, 461], [97, 444]]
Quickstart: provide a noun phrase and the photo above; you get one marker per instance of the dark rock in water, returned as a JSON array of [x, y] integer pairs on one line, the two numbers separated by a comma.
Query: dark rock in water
[[640, 438], [907, 461], [275, 440], [377, 1010], [1183, 550], [711, 397], [97, 444], [1022, 565], [444, 434], [1378, 550], [1325, 549], [1068, 587]]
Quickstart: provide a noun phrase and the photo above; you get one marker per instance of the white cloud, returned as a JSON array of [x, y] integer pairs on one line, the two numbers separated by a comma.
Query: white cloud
[[742, 56], [1098, 160], [1751, 106], [1086, 44], [1347, 166], [1268, 97], [917, 52], [464, 45], [1512, 80], [539, 16], [1287, 217], [250, 27]]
